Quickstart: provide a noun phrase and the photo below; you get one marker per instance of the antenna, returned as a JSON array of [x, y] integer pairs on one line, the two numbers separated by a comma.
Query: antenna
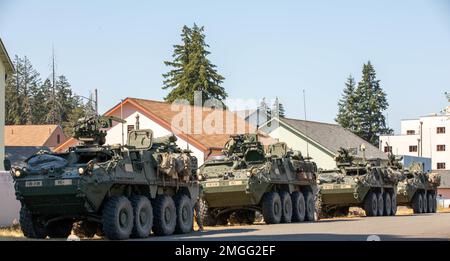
[[306, 125], [53, 85], [187, 130]]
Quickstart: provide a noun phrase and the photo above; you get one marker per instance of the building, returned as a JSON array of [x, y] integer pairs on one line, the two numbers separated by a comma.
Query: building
[[427, 136], [6, 68], [49, 136], [321, 141]]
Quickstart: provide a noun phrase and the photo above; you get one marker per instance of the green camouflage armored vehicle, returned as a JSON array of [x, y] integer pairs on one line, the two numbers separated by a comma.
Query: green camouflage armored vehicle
[[364, 183], [418, 189], [281, 185], [119, 191]]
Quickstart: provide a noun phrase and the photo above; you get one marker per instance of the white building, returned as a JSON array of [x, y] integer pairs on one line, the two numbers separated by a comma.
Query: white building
[[427, 136]]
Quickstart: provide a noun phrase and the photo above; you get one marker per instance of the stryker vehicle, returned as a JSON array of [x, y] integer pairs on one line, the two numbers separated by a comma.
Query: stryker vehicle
[[118, 191], [281, 185], [364, 183], [418, 189]]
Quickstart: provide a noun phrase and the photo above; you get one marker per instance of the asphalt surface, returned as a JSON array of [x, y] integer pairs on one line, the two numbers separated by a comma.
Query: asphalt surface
[[407, 227]]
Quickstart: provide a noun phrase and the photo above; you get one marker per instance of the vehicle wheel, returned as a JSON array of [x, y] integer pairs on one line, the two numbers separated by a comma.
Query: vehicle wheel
[[165, 218], [206, 215], [310, 206], [271, 208], [371, 204], [425, 202], [86, 229], [417, 203], [286, 204], [430, 202], [185, 214], [298, 207], [30, 226], [60, 229], [434, 202], [380, 204], [117, 218], [143, 217], [393, 204], [387, 204]]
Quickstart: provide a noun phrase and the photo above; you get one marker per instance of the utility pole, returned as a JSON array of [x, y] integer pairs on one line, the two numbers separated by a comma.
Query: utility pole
[[96, 101], [53, 85]]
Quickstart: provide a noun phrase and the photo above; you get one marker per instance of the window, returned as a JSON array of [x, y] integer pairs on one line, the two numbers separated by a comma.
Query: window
[[413, 148], [58, 139], [130, 128], [440, 130], [440, 147], [388, 149], [410, 132], [441, 165]]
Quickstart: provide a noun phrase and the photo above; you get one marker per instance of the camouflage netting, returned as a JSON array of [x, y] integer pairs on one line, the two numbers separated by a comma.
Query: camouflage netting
[[434, 178], [392, 175], [175, 165], [330, 177]]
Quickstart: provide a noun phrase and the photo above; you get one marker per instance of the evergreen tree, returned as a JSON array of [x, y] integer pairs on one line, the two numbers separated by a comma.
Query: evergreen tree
[[278, 108], [347, 104], [371, 102], [20, 90], [192, 71]]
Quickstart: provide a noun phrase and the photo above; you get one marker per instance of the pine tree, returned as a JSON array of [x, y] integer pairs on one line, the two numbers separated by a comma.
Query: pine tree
[[347, 104], [192, 71], [20, 90], [369, 120], [278, 108]]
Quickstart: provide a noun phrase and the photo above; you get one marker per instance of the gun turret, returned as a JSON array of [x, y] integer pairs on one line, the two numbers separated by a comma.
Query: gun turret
[[89, 129]]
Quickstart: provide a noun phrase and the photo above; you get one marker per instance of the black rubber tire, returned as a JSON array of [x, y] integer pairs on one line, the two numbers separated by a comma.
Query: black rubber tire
[[387, 204], [185, 214], [271, 208], [29, 225], [380, 203], [206, 215], [298, 207], [310, 206], [165, 216], [417, 203], [371, 204], [434, 202], [60, 229], [86, 229], [117, 218], [425, 203], [142, 216], [286, 204], [393, 204]]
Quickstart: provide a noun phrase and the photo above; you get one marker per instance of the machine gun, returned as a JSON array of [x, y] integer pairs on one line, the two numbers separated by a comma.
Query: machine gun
[[89, 129]]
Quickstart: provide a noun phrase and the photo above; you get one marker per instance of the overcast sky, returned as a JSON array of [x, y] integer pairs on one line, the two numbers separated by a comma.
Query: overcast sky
[[263, 49]]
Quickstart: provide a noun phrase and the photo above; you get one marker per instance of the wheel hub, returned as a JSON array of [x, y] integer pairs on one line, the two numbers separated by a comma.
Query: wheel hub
[[123, 218]]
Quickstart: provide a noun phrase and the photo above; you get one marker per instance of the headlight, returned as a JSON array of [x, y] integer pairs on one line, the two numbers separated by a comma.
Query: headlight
[[318, 181], [249, 174], [356, 180], [200, 177], [17, 173], [81, 171]]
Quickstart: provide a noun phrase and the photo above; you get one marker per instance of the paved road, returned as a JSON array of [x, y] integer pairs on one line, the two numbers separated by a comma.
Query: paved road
[[408, 227]]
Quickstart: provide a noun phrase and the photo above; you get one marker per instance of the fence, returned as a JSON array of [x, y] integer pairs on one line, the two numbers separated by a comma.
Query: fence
[[9, 206]]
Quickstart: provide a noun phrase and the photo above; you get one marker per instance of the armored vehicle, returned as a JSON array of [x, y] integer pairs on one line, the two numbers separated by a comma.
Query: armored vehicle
[[418, 189], [281, 185], [118, 190], [358, 183]]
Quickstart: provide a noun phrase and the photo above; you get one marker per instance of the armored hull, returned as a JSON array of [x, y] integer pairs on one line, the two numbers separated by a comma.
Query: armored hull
[[119, 191], [418, 191], [246, 180]]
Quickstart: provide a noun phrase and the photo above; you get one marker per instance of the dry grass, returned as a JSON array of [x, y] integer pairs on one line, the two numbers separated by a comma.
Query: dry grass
[[11, 232]]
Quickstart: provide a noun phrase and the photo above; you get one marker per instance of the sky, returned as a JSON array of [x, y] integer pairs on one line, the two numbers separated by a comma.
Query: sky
[[262, 48]]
